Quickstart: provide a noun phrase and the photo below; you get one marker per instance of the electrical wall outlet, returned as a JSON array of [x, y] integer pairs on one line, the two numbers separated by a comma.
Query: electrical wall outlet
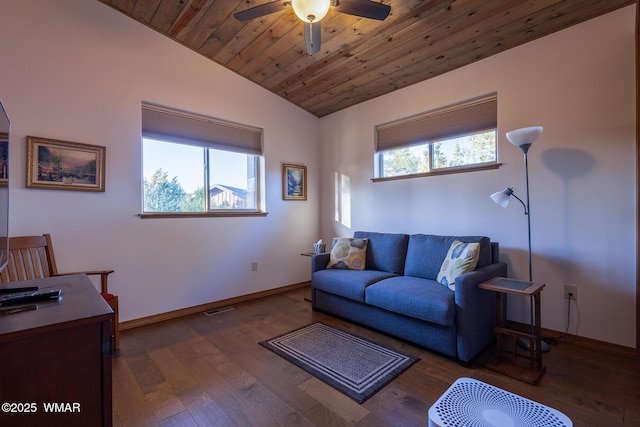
[[571, 289], [254, 265]]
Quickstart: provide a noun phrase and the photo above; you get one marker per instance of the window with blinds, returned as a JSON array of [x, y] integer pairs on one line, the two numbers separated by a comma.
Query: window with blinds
[[458, 138], [194, 164]]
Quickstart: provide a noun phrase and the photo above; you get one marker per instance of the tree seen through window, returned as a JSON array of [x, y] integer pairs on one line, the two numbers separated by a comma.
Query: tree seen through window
[[462, 151]]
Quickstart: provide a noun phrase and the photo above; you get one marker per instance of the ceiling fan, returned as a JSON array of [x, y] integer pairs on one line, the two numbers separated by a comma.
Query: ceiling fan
[[312, 12]]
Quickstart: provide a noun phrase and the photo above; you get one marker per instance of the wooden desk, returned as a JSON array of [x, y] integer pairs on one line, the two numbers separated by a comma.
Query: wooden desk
[[512, 364], [57, 358]]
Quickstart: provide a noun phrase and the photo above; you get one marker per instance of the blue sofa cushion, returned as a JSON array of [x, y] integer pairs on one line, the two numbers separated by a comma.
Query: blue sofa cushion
[[485, 257], [386, 251], [426, 252], [420, 298], [347, 283]]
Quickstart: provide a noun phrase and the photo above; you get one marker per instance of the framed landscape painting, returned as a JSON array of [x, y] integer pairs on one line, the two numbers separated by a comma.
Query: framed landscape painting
[[294, 182], [4, 159], [63, 165]]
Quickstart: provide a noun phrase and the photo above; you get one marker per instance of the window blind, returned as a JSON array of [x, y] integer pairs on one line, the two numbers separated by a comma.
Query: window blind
[[446, 123], [188, 128]]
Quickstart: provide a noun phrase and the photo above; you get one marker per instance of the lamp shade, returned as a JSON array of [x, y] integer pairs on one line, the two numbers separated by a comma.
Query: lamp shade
[[524, 136], [501, 198], [311, 10]]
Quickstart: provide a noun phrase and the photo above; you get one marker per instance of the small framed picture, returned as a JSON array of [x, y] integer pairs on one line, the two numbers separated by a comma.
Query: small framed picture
[[63, 165], [294, 182], [4, 159]]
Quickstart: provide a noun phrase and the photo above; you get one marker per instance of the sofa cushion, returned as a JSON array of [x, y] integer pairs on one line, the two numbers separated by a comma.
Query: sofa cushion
[[347, 283], [485, 254], [347, 253], [411, 296], [461, 258], [426, 252], [385, 251]]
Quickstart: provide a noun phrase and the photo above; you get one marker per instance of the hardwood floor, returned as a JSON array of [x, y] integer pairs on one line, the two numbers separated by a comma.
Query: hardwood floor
[[204, 370]]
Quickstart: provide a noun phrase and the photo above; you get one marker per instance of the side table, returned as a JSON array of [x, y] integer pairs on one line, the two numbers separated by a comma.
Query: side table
[[510, 362], [58, 354], [308, 254]]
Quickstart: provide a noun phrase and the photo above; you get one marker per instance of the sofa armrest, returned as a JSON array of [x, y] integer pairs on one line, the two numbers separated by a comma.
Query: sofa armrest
[[475, 310], [467, 289], [319, 261]]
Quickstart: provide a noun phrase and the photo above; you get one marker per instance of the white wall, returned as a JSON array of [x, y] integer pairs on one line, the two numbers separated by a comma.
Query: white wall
[[579, 84], [77, 70]]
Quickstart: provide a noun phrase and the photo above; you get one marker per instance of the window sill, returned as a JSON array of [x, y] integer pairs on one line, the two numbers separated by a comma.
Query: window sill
[[444, 171], [200, 214]]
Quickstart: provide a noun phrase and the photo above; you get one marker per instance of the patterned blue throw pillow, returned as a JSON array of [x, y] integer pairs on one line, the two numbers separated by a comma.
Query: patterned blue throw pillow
[[461, 258], [348, 253]]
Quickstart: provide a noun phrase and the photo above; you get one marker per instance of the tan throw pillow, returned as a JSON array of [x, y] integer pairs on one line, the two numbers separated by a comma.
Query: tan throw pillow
[[461, 258], [348, 253]]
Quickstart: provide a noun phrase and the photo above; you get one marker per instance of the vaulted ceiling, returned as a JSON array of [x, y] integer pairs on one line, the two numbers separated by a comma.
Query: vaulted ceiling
[[360, 58]]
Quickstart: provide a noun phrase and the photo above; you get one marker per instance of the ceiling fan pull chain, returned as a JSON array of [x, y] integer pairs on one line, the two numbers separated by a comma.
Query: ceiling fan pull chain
[[311, 33]]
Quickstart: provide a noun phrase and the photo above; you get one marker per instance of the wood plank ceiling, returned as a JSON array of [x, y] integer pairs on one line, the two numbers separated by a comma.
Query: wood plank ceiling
[[360, 58]]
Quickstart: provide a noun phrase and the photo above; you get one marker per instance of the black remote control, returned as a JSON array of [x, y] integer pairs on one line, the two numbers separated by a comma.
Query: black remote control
[[4, 291], [25, 297], [17, 309]]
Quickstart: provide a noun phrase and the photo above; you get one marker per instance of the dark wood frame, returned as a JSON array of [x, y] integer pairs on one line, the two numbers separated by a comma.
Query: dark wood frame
[[512, 364]]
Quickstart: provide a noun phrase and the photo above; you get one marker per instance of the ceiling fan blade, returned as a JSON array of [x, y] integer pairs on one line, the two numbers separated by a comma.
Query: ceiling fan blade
[[262, 10], [312, 35], [364, 8]]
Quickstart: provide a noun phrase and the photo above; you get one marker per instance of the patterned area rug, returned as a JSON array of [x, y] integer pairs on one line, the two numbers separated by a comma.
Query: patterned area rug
[[351, 364]]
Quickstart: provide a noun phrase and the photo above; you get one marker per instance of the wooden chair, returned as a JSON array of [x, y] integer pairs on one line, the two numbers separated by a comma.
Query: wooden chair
[[31, 257]]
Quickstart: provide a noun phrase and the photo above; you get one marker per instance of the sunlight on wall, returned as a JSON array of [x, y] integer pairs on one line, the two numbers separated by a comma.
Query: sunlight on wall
[[342, 199]]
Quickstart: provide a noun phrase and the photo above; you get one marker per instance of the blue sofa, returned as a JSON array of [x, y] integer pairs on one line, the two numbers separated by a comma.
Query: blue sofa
[[397, 292]]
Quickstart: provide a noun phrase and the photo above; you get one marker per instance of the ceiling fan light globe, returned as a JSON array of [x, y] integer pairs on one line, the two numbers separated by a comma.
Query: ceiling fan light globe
[[311, 10]]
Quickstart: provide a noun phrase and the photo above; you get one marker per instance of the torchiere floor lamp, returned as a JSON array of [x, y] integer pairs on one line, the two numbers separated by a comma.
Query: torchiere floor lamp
[[522, 138]]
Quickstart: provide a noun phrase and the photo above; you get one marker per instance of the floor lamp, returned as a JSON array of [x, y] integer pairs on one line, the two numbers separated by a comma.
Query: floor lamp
[[522, 138]]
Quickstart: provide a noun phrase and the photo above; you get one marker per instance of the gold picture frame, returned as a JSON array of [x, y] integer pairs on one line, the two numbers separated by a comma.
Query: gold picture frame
[[294, 182], [64, 165]]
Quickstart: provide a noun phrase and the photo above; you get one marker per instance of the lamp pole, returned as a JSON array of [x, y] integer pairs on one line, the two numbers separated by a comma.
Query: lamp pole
[[525, 149]]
